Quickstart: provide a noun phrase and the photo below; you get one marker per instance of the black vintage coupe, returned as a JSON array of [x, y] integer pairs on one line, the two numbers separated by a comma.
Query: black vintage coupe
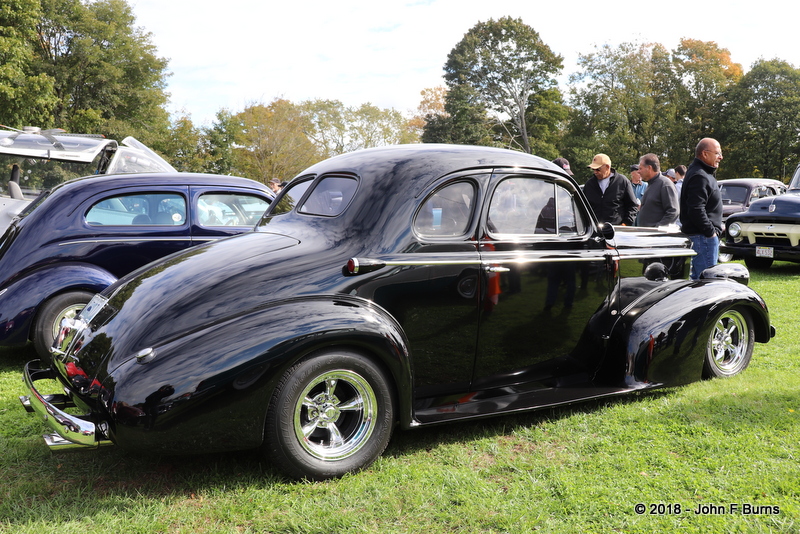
[[409, 286]]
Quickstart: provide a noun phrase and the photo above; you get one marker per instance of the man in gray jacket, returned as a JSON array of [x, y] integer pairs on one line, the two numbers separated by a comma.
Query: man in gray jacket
[[660, 202]]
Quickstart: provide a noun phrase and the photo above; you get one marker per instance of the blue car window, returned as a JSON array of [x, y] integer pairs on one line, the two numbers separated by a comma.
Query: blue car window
[[447, 212], [230, 209], [141, 209]]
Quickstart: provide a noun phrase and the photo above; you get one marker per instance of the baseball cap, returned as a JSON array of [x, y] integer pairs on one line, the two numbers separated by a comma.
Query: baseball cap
[[600, 160], [564, 164]]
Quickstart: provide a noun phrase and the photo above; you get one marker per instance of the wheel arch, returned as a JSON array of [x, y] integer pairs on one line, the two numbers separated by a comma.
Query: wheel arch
[[22, 298], [665, 344], [243, 359]]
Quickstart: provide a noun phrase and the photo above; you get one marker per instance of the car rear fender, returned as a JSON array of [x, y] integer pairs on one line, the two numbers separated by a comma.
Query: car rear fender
[[662, 337], [238, 363], [20, 299]]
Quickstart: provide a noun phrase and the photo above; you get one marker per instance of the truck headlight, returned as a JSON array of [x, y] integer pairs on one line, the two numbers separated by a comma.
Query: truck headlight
[[735, 230]]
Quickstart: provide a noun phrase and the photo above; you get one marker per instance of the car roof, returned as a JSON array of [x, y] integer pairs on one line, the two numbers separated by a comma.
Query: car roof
[[751, 181], [418, 164], [103, 181]]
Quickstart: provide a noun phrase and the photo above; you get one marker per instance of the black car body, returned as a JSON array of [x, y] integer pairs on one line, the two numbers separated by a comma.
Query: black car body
[[738, 193], [416, 285], [80, 237], [768, 230]]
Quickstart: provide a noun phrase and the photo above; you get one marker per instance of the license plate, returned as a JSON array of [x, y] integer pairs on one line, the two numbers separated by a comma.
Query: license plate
[[93, 308], [763, 252]]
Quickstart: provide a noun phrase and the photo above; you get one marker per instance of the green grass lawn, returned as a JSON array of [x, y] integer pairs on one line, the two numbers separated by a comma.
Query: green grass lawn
[[731, 446]]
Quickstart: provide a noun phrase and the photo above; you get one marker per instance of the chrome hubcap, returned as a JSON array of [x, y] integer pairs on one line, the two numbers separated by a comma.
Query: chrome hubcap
[[729, 342], [70, 312], [334, 416]]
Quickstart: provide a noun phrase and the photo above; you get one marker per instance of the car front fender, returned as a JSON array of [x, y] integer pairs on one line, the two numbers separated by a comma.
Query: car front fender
[[219, 379], [661, 338], [20, 299]]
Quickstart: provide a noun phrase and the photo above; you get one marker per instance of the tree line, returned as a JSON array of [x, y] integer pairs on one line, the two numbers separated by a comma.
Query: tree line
[[85, 67]]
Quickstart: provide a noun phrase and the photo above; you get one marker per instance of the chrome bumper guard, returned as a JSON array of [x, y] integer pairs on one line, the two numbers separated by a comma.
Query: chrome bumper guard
[[70, 431]]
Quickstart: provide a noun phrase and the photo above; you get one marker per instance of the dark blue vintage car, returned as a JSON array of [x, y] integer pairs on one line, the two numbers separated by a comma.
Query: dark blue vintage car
[[409, 286], [80, 237]]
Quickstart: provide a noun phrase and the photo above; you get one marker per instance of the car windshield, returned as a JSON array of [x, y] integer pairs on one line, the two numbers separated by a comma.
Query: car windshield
[[39, 160], [795, 183], [733, 193]]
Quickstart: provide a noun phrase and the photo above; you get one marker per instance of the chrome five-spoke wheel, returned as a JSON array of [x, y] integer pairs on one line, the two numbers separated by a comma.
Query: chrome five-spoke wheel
[[730, 345], [332, 413]]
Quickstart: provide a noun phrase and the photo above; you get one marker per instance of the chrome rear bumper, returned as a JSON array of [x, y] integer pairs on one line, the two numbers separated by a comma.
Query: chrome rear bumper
[[69, 431]]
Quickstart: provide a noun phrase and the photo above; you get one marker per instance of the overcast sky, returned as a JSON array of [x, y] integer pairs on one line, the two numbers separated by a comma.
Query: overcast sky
[[231, 53]]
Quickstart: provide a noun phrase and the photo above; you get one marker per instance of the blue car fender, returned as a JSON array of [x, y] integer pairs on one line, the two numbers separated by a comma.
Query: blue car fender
[[665, 338], [21, 298]]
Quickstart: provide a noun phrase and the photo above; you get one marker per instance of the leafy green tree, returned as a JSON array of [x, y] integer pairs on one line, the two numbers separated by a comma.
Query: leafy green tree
[[26, 98], [327, 125], [463, 122], [505, 62], [107, 76], [615, 102], [336, 129], [271, 142], [703, 72], [370, 126], [218, 142], [759, 124], [184, 147]]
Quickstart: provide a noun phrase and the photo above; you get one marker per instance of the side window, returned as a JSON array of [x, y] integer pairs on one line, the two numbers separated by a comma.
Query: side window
[[447, 212], [330, 197], [141, 209], [525, 206], [230, 209]]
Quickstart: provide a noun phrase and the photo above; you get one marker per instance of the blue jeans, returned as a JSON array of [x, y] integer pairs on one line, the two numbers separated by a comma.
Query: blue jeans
[[707, 249]]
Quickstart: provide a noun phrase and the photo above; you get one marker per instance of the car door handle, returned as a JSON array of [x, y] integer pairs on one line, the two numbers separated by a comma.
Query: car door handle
[[496, 269]]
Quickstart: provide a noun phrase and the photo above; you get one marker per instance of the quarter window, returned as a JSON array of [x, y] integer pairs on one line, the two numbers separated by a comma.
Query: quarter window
[[330, 196], [447, 212], [142, 209]]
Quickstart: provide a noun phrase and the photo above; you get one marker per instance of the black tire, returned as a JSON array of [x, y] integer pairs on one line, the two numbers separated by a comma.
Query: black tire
[[331, 414], [730, 344], [48, 320], [757, 263]]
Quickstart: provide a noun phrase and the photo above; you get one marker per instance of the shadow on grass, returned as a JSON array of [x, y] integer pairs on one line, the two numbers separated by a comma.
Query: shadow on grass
[[40, 486]]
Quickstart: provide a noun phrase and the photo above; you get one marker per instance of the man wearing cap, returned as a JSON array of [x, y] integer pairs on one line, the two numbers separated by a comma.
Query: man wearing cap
[[564, 164], [639, 186], [610, 194], [660, 201]]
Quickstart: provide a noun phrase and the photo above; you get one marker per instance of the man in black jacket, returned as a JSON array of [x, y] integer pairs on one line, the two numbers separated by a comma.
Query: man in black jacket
[[610, 194], [701, 205]]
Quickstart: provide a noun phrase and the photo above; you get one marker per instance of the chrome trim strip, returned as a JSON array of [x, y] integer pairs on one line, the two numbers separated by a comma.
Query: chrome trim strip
[[126, 240]]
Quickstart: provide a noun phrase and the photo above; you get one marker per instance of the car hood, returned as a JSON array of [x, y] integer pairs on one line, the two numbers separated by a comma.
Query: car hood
[[787, 204], [185, 292]]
